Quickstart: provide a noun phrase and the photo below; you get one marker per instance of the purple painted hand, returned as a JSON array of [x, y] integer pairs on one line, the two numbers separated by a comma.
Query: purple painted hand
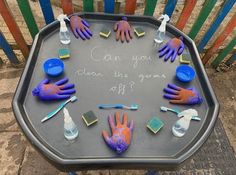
[[121, 133], [80, 28], [56, 91], [178, 95], [172, 48], [123, 30]]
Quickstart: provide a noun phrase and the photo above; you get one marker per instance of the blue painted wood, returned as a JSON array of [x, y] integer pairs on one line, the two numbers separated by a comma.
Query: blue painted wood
[[7, 49], [216, 23], [170, 6], [47, 11], [109, 6]]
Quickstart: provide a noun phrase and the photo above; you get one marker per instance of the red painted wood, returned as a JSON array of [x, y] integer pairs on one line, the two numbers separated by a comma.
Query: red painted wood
[[130, 6], [218, 42], [67, 6], [14, 29], [186, 12]]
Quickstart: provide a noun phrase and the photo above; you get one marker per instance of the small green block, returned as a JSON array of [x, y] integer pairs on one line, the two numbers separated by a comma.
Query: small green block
[[155, 124], [139, 31], [184, 59], [89, 118], [105, 32], [64, 53]]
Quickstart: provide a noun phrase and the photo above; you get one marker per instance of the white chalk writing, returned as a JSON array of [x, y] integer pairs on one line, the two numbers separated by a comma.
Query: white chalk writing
[[84, 72], [142, 77], [137, 59]]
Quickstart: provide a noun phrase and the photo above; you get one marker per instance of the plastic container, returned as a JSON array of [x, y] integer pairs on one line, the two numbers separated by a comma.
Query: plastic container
[[70, 129], [185, 73], [53, 67], [64, 34]]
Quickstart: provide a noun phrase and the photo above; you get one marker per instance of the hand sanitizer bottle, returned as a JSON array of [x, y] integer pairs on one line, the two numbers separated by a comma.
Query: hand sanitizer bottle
[[70, 129], [161, 30], [64, 34]]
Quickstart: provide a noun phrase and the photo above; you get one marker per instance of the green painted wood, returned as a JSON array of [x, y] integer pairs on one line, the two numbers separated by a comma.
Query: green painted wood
[[206, 9], [28, 16], [224, 53], [150, 6], [88, 5], [231, 60]]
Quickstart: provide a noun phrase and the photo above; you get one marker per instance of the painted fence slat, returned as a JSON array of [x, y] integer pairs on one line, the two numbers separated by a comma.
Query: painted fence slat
[[219, 41], [67, 7], [186, 12], [28, 16], [109, 6], [7, 49], [130, 6], [150, 6], [213, 27], [206, 9], [231, 60], [47, 11], [88, 5], [14, 29], [117, 7], [100, 6], [170, 7], [224, 53]]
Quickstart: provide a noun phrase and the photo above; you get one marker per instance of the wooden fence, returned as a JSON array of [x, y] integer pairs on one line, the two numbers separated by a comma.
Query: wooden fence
[[111, 6]]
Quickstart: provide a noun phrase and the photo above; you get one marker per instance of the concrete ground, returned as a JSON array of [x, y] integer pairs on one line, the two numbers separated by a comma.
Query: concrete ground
[[19, 157]]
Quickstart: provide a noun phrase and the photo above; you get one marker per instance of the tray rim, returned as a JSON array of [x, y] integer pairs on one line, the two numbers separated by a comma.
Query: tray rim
[[89, 163]]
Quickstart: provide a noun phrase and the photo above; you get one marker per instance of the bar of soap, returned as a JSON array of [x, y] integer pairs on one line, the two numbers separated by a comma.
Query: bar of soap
[[64, 53], [89, 118], [155, 124], [105, 32], [139, 31]]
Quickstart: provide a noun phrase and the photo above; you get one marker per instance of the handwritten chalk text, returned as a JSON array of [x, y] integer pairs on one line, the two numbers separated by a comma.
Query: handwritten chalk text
[[84, 72]]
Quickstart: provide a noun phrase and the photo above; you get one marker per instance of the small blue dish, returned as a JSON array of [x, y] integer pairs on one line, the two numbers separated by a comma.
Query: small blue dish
[[53, 67], [185, 73]]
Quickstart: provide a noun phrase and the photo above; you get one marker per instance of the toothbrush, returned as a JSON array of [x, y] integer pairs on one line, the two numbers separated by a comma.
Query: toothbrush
[[118, 106], [60, 107], [165, 109], [176, 111]]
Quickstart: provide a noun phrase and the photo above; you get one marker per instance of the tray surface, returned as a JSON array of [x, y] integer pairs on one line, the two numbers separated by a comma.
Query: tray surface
[[105, 71]]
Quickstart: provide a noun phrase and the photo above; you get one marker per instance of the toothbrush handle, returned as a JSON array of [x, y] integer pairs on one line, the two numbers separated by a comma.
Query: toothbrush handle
[[117, 106], [51, 114]]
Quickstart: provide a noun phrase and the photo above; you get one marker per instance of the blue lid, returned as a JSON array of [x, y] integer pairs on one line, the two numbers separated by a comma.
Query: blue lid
[[185, 73], [53, 67]]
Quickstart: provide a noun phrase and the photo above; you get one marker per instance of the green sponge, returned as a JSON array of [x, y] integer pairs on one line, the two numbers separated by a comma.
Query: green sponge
[[64, 53], [184, 59], [105, 32], [139, 31], [155, 124], [89, 118]]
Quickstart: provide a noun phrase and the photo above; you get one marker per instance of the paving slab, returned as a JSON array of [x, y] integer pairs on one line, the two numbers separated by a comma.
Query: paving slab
[[224, 85], [12, 148], [35, 164], [8, 122]]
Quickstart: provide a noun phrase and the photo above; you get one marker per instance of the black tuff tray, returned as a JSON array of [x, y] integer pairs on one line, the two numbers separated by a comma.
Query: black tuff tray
[[106, 60]]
